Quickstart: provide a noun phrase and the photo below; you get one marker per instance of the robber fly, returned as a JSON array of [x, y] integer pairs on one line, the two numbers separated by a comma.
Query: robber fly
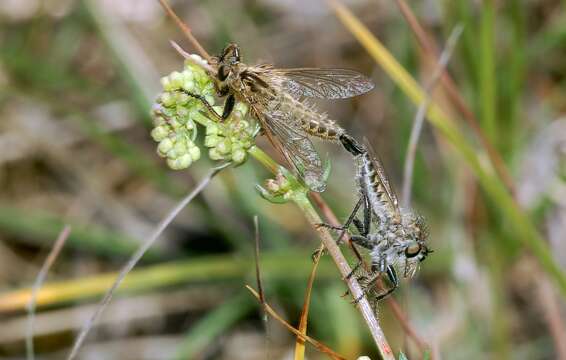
[[275, 100], [398, 239]]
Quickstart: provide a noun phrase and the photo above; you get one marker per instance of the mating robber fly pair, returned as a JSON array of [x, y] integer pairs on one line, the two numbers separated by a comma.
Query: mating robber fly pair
[[275, 97]]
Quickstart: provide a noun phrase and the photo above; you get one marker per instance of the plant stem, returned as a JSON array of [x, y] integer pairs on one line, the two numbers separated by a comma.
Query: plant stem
[[345, 270]]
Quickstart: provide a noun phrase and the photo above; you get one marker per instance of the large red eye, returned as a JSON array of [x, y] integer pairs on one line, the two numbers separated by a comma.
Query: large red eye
[[223, 72]]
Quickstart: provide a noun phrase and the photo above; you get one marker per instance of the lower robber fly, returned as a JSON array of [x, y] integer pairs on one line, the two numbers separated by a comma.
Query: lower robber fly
[[397, 241], [275, 97]]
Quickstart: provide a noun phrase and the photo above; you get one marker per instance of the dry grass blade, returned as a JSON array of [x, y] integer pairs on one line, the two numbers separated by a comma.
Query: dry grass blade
[[421, 112], [137, 256], [53, 254], [185, 29], [317, 344], [257, 272], [300, 343]]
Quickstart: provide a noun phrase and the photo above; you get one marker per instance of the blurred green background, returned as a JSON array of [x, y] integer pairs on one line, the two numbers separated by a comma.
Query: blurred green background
[[77, 80]]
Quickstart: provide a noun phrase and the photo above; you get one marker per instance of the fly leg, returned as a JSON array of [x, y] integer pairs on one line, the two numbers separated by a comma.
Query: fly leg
[[392, 276], [228, 105], [346, 225]]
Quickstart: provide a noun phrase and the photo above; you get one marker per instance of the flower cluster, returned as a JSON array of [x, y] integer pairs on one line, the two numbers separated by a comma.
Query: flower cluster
[[231, 140], [176, 114]]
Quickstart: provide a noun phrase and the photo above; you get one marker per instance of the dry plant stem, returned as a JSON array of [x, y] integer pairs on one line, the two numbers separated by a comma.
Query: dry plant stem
[[454, 95], [552, 316], [257, 274], [137, 256], [185, 29], [317, 344], [53, 254], [363, 305], [421, 113], [300, 343]]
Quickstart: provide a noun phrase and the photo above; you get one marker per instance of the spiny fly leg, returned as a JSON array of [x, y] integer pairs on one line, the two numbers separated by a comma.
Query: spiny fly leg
[[392, 276], [362, 241], [367, 286], [354, 270], [206, 104]]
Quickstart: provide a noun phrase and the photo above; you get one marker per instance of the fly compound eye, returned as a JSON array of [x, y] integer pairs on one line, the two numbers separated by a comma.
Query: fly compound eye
[[223, 72], [412, 250]]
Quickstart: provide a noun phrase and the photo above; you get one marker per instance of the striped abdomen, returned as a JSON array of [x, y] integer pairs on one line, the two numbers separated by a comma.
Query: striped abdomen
[[311, 121], [373, 184]]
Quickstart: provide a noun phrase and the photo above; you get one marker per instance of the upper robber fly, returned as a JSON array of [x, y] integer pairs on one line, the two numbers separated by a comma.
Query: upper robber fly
[[275, 100]]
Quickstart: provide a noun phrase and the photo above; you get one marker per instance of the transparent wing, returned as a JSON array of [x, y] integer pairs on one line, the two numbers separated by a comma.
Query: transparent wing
[[324, 83], [376, 161], [291, 140]]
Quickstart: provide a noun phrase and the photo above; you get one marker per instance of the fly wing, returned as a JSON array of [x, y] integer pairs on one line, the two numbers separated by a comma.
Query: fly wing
[[392, 197], [323, 83], [291, 140]]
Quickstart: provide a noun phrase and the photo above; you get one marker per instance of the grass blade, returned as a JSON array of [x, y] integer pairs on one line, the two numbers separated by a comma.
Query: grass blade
[[524, 228]]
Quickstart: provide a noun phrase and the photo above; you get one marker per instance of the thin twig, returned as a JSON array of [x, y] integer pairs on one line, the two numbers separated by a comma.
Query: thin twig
[[426, 42], [317, 344], [421, 113], [53, 254], [300, 343], [138, 255], [257, 274], [194, 59], [185, 29]]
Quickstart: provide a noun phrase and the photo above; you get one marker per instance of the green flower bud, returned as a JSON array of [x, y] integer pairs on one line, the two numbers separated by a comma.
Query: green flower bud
[[181, 98], [214, 154], [239, 156], [183, 112], [194, 151], [167, 99], [212, 129], [175, 123], [211, 140], [189, 85], [159, 133], [164, 146], [181, 163], [181, 147], [187, 75], [159, 121], [172, 154], [176, 79], [224, 146], [166, 83]]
